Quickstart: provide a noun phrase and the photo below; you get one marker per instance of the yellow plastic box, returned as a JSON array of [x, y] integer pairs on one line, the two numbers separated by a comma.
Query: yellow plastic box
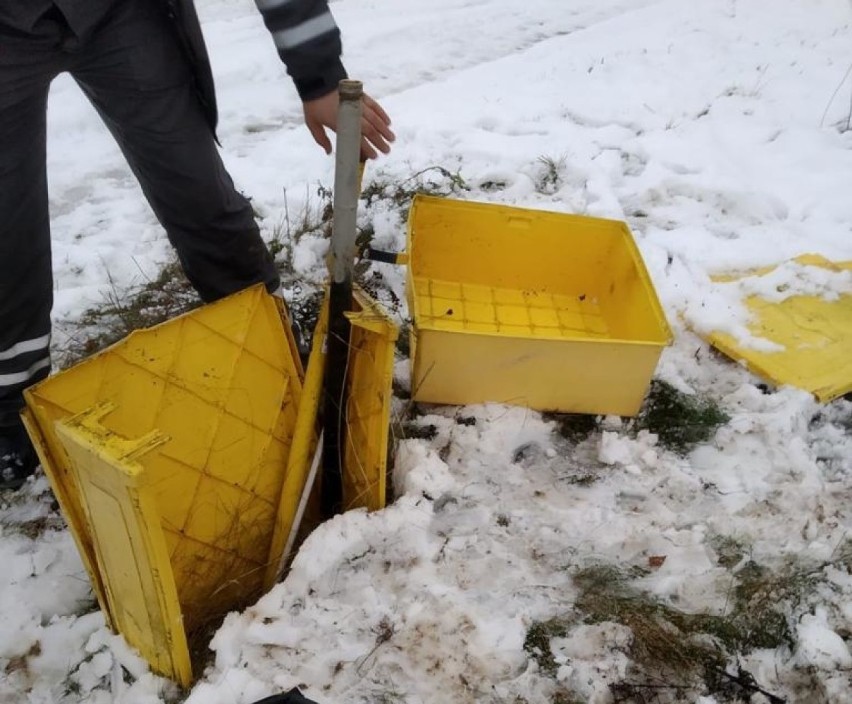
[[549, 311], [179, 456], [167, 453]]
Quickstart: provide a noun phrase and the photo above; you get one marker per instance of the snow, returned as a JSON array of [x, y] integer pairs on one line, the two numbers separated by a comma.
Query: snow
[[715, 129], [819, 645]]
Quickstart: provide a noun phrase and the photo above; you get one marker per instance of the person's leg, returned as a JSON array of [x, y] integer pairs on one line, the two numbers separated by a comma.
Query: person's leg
[[134, 73], [27, 65]]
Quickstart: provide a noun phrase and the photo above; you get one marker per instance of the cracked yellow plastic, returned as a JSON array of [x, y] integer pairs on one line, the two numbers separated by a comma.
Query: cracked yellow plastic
[[815, 335]]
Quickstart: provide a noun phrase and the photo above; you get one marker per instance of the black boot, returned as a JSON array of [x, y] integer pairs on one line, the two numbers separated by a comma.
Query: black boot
[[294, 696], [18, 459]]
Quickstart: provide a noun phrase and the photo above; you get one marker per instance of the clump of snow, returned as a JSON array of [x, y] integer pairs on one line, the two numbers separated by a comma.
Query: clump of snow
[[591, 657], [819, 645], [794, 279], [721, 305], [631, 454], [54, 647]]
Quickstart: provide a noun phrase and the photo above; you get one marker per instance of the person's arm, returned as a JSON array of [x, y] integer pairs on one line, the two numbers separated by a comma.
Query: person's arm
[[308, 42]]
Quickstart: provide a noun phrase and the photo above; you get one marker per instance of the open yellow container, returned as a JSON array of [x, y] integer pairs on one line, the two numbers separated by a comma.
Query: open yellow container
[[550, 311], [167, 453]]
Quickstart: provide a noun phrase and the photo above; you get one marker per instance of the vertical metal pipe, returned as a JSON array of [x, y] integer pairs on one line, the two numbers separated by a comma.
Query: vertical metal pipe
[[347, 186], [346, 182]]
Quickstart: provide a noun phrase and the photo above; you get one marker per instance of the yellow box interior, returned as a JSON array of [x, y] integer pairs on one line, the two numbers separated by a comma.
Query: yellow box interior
[[492, 269]]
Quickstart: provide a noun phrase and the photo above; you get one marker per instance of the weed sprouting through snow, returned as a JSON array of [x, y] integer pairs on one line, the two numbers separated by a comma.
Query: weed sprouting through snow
[[550, 174], [433, 180], [537, 642], [675, 654], [680, 421], [127, 309]]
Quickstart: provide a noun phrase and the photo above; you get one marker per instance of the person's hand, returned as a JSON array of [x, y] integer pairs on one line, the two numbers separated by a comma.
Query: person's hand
[[376, 133]]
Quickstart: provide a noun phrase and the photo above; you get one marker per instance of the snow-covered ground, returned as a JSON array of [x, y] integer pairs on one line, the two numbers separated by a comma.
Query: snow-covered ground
[[719, 129]]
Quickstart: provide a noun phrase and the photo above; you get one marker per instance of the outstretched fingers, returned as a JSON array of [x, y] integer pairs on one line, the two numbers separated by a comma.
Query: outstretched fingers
[[375, 129], [376, 134]]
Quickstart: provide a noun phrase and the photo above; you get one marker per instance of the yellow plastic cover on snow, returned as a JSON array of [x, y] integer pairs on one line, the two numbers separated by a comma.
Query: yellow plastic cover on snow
[[167, 453], [815, 335]]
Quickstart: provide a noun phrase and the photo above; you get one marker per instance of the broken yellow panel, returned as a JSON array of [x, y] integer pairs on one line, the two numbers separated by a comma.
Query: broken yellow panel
[[175, 533], [129, 544], [815, 334], [369, 380]]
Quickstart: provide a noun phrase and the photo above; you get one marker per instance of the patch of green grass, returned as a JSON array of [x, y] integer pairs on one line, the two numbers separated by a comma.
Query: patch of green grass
[[564, 696], [759, 595], [305, 309], [661, 634], [680, 421], [403, 340], [537, 643], [574, 427], [678, 654], [843, 554], [729, 551]]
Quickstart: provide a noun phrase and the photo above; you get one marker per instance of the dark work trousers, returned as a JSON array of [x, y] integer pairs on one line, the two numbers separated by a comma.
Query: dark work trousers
[[133, 71]]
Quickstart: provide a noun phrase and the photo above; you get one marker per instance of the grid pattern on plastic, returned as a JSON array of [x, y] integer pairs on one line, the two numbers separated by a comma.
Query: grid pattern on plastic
[[463, 307], [219, 536], [224, 387], [369, 377]]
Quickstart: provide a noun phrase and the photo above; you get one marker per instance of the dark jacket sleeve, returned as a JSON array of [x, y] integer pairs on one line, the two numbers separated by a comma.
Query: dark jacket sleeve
[[308, 42]]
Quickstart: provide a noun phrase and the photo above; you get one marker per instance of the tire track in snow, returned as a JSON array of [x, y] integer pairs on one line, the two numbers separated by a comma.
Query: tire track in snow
[[394, 49], [421, 48]]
